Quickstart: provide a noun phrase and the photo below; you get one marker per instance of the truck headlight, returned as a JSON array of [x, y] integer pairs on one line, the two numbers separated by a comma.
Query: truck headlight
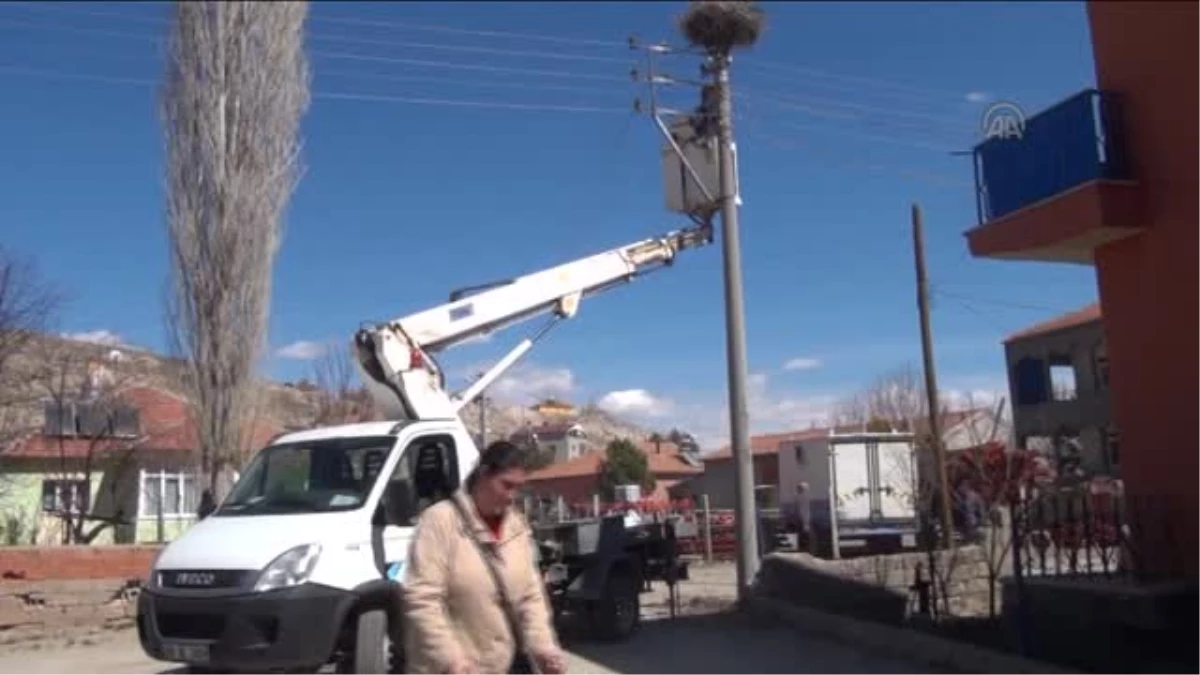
[[291, 568]]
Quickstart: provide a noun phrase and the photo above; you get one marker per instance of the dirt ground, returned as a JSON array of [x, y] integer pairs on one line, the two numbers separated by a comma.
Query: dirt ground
[[706, 637]]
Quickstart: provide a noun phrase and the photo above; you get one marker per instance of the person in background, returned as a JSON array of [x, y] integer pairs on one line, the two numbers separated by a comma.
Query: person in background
[[474, 601]]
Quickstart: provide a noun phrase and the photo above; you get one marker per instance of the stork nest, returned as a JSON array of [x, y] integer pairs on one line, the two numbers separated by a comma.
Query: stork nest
[[718, 26]]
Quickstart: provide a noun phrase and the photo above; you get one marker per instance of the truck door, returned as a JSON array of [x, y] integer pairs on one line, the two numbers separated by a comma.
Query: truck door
[[852, 482], [426, 473], [897, 480]]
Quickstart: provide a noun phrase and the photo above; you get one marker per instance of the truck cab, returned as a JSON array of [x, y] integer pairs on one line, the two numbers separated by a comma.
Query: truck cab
[[299, 566]]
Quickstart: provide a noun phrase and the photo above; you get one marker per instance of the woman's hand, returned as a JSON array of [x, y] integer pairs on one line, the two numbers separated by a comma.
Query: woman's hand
[[551, 662], [463, 667]]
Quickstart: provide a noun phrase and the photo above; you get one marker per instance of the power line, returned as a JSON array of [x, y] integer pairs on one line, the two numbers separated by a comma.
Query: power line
[[1001, 303], [345, 96], [770, 68], [468, 66], [789, 143], [450, 30], [777, 69], [408, 44], [384, 98], [435, 79], [805, 102]]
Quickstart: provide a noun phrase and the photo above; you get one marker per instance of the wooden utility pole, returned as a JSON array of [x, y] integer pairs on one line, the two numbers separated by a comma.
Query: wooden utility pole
[[931, 391]]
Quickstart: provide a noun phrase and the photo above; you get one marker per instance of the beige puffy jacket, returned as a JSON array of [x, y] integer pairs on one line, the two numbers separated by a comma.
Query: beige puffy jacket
[[452, 610]]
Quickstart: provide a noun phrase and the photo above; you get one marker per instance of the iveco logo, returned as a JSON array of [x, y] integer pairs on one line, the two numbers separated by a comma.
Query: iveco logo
[[195, 578]]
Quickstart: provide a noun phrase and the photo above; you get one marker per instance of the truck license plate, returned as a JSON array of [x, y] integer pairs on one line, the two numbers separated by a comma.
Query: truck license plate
[[185, 653]]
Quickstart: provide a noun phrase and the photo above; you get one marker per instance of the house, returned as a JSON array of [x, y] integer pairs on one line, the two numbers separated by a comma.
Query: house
[[554, 408], [578, 480], [1107, 178], [564, 441], [960, 430], [1058, 381], [122, 466]]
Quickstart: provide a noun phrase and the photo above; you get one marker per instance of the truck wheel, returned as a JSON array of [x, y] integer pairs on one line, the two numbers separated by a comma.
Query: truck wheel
[[373, 646], [618, 614]]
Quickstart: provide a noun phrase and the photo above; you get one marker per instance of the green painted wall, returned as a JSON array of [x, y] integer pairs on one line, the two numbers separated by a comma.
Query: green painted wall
[[21, 518], [22, 521]]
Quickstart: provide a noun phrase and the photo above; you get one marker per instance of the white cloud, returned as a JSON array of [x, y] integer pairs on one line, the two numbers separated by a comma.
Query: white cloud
[[100, 337], [634, 402], [769, 412], [978, 97], [478, 339], [301, 350], [802, 363], [525, 384]]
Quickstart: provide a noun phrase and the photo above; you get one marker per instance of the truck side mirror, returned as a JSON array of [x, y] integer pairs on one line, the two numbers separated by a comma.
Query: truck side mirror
[[207, 505]]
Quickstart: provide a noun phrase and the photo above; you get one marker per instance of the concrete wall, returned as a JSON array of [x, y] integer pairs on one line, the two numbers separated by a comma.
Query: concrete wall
[[877, 588], [718, 480], [1088, 416]]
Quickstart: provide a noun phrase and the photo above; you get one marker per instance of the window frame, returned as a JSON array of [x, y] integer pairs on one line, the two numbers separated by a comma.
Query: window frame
[[182, 479], [77, 486]]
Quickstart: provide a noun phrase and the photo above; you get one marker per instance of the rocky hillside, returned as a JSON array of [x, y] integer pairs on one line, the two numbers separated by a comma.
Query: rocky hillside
[[504, 419], [52, 362]]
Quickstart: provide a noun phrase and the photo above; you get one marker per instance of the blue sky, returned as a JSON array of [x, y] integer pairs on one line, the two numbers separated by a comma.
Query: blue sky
[[846, 115]]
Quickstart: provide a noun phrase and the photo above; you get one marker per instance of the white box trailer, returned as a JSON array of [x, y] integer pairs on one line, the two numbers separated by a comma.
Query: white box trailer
[[870, 478]]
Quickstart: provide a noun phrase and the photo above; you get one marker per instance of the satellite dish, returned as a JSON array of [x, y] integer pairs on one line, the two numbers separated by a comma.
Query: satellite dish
[[115, 355]]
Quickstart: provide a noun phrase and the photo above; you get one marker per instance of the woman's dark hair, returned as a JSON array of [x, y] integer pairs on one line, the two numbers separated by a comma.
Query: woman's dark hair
[[498, 457]]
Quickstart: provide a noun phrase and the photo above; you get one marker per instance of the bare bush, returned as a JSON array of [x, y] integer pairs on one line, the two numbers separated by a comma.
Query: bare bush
[[236, 88], [28, 305], [90, 431]]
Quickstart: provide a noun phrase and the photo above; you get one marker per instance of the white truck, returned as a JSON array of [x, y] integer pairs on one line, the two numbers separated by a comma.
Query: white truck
[[849, 492], [299, 565]]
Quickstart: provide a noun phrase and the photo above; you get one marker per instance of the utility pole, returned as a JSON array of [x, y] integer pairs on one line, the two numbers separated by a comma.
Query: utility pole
[[931, 391], [718, 28], [746, 515]]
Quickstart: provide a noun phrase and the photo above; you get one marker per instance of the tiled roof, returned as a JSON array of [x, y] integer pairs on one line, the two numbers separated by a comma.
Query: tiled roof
[[592, 463], [166, 424], [768, 444], [1083, 316]]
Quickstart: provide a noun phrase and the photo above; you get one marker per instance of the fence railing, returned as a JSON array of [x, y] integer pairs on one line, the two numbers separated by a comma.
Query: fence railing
[[1083, 531]]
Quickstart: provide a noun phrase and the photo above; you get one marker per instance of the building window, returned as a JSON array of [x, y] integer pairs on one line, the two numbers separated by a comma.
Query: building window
[[1030, 377], [66, 496], [174, 492], [1112, 448], [800, 454], [1063, 386], [1101, 359]]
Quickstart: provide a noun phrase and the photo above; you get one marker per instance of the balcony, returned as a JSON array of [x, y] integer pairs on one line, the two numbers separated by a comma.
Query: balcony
[[1061, 189]]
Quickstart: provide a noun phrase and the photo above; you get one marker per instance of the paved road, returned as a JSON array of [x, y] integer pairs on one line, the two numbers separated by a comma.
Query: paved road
[[718, 643]]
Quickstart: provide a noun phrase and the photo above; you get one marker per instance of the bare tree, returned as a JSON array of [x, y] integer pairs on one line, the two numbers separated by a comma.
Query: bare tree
[[28, 305], [339, 401], [92, 431], [236, 88]]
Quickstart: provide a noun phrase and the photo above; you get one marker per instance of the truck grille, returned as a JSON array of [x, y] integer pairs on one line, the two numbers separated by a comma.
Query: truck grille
[[190, 626], [204, 579]]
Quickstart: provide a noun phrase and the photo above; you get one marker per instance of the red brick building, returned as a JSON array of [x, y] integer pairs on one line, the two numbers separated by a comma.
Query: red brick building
[[1108, 178], [576, 481]]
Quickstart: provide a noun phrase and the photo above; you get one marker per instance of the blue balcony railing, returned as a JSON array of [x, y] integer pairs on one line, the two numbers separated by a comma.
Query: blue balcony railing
[[1074, 142]]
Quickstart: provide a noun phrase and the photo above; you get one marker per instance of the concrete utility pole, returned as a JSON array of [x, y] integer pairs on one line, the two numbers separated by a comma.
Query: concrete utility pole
[[719, 27], [931, 391]]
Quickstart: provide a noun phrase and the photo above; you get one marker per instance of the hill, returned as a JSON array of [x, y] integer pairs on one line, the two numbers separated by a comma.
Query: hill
[[55, 363]]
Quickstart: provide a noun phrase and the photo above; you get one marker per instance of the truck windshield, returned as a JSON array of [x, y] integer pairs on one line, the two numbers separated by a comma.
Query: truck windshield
[[319, 476]]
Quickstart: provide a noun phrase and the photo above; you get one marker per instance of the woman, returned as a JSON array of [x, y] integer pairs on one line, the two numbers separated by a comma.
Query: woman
[[473, 595]]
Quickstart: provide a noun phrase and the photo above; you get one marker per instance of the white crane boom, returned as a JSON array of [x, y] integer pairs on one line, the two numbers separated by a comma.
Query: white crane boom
[[395, 358]]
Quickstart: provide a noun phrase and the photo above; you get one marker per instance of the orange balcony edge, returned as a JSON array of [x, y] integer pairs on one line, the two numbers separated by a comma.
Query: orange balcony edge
[[1064, 228]]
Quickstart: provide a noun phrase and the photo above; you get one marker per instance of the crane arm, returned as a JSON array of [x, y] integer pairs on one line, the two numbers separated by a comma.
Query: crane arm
[[396, 357]]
